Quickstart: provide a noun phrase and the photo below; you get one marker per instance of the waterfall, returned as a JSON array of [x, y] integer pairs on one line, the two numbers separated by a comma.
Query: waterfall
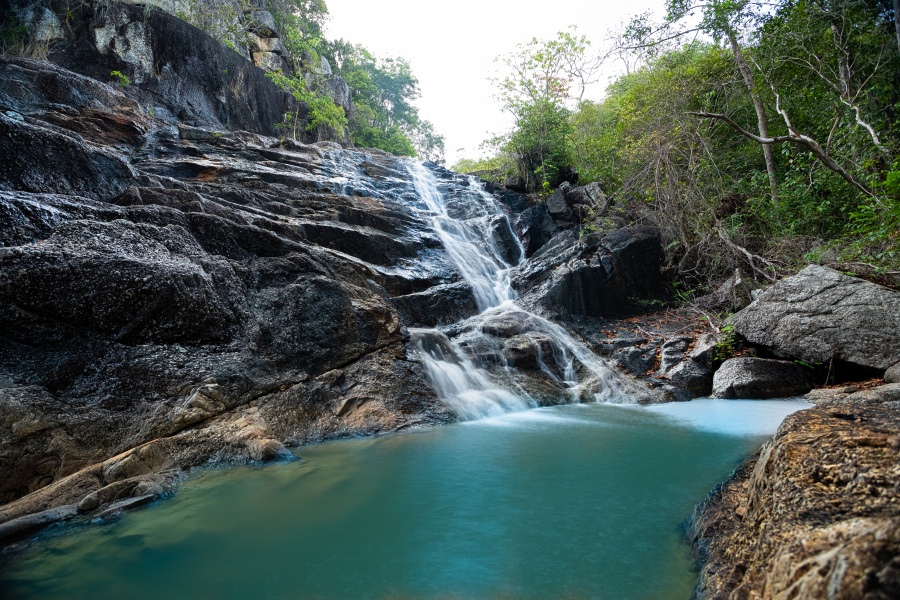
[[467, 386]]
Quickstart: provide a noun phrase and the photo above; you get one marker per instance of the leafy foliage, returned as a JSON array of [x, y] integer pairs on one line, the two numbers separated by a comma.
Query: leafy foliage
[[678, 139]]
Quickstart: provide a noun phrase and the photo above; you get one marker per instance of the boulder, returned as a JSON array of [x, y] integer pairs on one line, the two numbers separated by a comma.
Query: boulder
[[560, 210], [637, 361], [887, 395], [528, 351], [535, 227], [590, 196], [614, 275], [821, 315], [692, 376], [760, 378], [892, 375]]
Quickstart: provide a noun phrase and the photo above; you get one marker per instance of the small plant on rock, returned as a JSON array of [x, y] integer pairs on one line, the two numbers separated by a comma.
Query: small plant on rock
[[727, 344], [121, 78]]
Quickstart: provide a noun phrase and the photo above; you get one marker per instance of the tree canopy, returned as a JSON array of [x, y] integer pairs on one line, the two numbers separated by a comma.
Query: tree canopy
[[758, 134]]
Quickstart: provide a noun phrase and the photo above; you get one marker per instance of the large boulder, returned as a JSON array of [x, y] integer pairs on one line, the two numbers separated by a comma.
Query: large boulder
[[614, 275], [438, 305], [759, 378], [821, 315]]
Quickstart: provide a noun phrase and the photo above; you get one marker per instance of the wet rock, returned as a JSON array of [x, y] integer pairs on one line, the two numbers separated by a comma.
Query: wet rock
[[760, 378], [17, 529], [813, 516], [535, 227], [821, 315], [189, 319], [528, 351], [41, 158], [438, 305]]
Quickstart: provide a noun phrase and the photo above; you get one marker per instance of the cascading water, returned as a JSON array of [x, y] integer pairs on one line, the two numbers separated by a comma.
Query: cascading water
[[471, 390]]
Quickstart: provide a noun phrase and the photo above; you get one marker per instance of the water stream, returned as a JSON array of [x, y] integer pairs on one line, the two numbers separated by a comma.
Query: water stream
[[466, 233]]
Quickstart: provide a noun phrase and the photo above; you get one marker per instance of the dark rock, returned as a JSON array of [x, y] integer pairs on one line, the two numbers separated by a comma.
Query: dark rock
[[40, 158], [820, 315], [634, 360], [194, 317], [615, 275], [439, 305], [528, 351], [507, 245], [590, 197], [174, 65], [692, 376], [760, 378], [559, 209], [535, 227], [812, 516]]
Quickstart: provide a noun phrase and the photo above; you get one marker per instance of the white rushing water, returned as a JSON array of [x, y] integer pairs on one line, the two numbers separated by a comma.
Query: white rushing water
[[468, 237]]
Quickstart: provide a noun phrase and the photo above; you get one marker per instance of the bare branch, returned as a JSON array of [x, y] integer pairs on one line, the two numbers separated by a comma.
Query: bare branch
[[795, 138]]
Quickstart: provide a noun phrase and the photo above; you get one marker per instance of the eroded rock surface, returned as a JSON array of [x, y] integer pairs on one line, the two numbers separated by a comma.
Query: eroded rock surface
[[813, 516], [819, 315], [174, 296]]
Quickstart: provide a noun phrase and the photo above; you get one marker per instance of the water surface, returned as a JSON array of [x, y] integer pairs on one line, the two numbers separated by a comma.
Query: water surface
[[580, 501]]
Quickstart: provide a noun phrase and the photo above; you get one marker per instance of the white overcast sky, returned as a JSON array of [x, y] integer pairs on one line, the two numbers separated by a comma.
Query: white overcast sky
[[451, 47]]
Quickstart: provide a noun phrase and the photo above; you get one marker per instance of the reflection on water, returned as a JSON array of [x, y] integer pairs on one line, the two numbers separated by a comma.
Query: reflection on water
[[573, 501]]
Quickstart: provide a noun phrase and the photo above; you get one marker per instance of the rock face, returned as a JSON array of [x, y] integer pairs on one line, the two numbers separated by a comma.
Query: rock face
[[819, 315], [813, 516], [597, 276], [175, 296], [175, 70], [760, 378]]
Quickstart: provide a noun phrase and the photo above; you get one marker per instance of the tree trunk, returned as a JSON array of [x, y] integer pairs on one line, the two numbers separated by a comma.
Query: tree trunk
[[897, 21], [762, 120]]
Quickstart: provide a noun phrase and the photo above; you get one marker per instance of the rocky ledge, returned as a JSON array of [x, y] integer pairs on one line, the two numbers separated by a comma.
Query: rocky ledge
[[815, 513]]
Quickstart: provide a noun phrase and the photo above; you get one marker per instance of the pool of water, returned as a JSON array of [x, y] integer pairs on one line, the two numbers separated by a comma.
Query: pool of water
[[579, 501]]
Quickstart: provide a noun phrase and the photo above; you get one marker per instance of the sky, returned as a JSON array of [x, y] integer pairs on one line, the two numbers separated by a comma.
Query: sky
[[451, 47]]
